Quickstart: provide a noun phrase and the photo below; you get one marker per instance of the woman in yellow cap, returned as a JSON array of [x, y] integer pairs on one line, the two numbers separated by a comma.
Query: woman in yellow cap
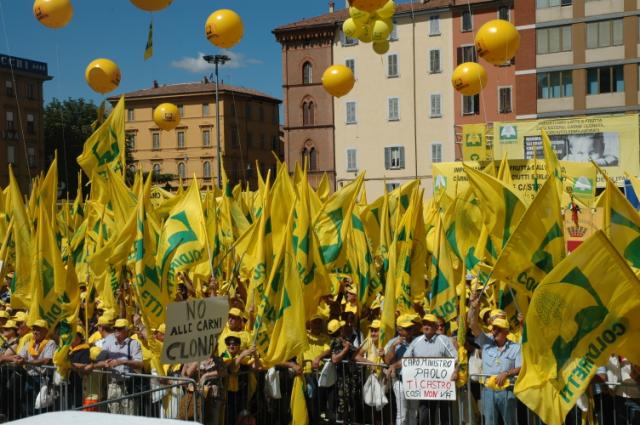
[[79, 357], [9, 347]]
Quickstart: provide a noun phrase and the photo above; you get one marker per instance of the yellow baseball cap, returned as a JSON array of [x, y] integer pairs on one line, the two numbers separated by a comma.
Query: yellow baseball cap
[[235, 312], [350, 308], [374, 304], [20, 316], [335, 325], [80, 331], [432, 318], [404, 321], [4, 314], [105, 320], [497, 312], [500, 323], [375, 324], [121, 323], [11, 324], [40, 324], [161, 329], [94, 352]]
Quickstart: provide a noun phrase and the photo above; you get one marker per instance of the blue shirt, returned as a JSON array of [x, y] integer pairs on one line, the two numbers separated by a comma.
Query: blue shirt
[[496, 361]]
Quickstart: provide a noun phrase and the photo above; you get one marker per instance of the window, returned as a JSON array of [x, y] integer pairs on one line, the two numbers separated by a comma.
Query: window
[[434, 25], [155, 137], [553, 40], [180, 139], [391, 186], [308, 113], [351, 112], [542, 4], [8, 85], [351, 64], [131, 140], [352, 163], [31, 156], [181, 110], [31, 91], [504, 94], [604, 34], [436, 152], [156, 169], [347, 41], [392, 65], [606, 79], [434, 61], [503, 13], [206, 170], [467, 54], [182, 170], [307, 73], [552, 85], [393, 109], [467, 22], [471, 105], [436, 106], [206, 138], [393, 36], [11, 124], [31, 123], [394, 158], [11, 154], [131, 115], [310, 157], [205, 109]]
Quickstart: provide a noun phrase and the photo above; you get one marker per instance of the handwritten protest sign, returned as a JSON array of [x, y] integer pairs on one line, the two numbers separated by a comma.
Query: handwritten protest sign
[[191, 329], [428, 379]]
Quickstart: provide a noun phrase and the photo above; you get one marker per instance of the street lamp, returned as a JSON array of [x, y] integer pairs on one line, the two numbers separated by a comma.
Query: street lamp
[[218, 60]]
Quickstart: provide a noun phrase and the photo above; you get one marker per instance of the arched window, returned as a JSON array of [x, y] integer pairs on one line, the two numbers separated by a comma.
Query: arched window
[[308, 113], [309, 156], [206, 170], [182, 171], [307, 73], [156, 169]]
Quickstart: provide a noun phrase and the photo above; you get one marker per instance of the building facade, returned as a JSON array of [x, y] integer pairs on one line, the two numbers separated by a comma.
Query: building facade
[[22, 112], [249, 132], [307, 50]]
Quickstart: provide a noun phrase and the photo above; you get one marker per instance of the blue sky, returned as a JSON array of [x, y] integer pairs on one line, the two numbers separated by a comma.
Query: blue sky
[[117, 30]]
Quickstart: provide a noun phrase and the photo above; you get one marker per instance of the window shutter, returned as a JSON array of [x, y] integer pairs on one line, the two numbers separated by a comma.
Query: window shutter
[[459, 54], [387, 158], [401, 157], [476, 104]]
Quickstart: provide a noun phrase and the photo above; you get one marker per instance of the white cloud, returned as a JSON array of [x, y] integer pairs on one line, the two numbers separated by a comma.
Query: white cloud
[[198, 65]]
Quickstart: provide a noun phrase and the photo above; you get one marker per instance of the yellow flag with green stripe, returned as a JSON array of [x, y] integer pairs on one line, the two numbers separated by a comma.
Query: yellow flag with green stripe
[[444, 277], [586, 309], [622, 225], [24, 247]]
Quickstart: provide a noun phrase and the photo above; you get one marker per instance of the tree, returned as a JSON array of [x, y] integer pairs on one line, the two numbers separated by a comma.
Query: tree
[[67, 124]]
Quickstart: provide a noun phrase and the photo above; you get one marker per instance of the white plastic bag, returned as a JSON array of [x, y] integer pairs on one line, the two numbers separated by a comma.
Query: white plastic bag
[[272, 384], [328, 375], [475, 366], [373, 393], [45, 397]]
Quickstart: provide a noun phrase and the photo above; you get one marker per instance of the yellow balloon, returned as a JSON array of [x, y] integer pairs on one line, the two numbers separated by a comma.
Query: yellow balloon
[[166, 116], [224, 28], [381, 47], [380, 30], [469, 78], [103, 75], [387, 11], [368, 5], [151, 5], [338, 80], [53, 13], [366, 34], [351, 29], [359, 16], [497, 41]]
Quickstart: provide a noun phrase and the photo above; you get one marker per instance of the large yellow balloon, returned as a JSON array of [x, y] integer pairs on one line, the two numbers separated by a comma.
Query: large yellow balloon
[[351, 29], [366, 33], [387, 11], [103, 75], [166, 116], [497, 41], [380, 30], [53, 13], [368, 5], [338, 80], [469, 78], [359, 16], [151, 5], [381, 47], [224, 28]]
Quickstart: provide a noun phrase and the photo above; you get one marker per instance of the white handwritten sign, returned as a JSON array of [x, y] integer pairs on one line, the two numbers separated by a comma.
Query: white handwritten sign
[[191, 329], [428, 379]]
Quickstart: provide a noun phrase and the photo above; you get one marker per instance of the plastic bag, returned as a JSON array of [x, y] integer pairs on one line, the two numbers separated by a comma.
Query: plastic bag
[[45, 397], [328, 375], [373, 393], [272, 384], [475, 366]]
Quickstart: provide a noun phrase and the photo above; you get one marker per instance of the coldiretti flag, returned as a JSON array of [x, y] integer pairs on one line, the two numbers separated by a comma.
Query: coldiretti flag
[[536, 245], [105, 147], [183, 240], [444, 278], [24, 251], [583, 311], [279, 330], [622, 223]]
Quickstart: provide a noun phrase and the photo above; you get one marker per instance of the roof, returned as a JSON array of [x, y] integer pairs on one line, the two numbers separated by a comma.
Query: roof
[[330, 19], [194, 89]]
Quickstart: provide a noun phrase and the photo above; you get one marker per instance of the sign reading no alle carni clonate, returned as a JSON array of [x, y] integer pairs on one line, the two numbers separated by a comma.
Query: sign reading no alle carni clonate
[[192, 328], [428, 378]]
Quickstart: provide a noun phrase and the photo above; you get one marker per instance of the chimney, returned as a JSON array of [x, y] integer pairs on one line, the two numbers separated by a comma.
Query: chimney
[[332, 6], [155, 84]]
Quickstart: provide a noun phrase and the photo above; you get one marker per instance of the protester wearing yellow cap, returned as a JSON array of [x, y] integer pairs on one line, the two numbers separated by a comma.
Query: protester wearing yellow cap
[[104, 328], [235, 325], [319, 344], [501, 358], [369, 352], [24, 331], [9, 347], [79, 356]]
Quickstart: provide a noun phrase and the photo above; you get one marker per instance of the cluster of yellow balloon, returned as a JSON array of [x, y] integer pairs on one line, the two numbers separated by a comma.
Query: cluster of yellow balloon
[[338, 80], [371, 21], [103, 75], [53, 13], [497, 42], [151, 5], [166, 116], [224, 28]]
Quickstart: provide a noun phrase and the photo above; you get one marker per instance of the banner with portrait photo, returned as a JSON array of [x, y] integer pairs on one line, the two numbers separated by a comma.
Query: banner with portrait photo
[[611, 141]]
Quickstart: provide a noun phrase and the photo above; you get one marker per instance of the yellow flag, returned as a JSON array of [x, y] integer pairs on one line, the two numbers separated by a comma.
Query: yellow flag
[[49, 189], [299, 414], [24, 248], [105, 147], [551, 160], [444, 277], [148, 50], [622, 225], [504, 172], [536, 245], [324, 188], [583, 311], [279, 331]]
